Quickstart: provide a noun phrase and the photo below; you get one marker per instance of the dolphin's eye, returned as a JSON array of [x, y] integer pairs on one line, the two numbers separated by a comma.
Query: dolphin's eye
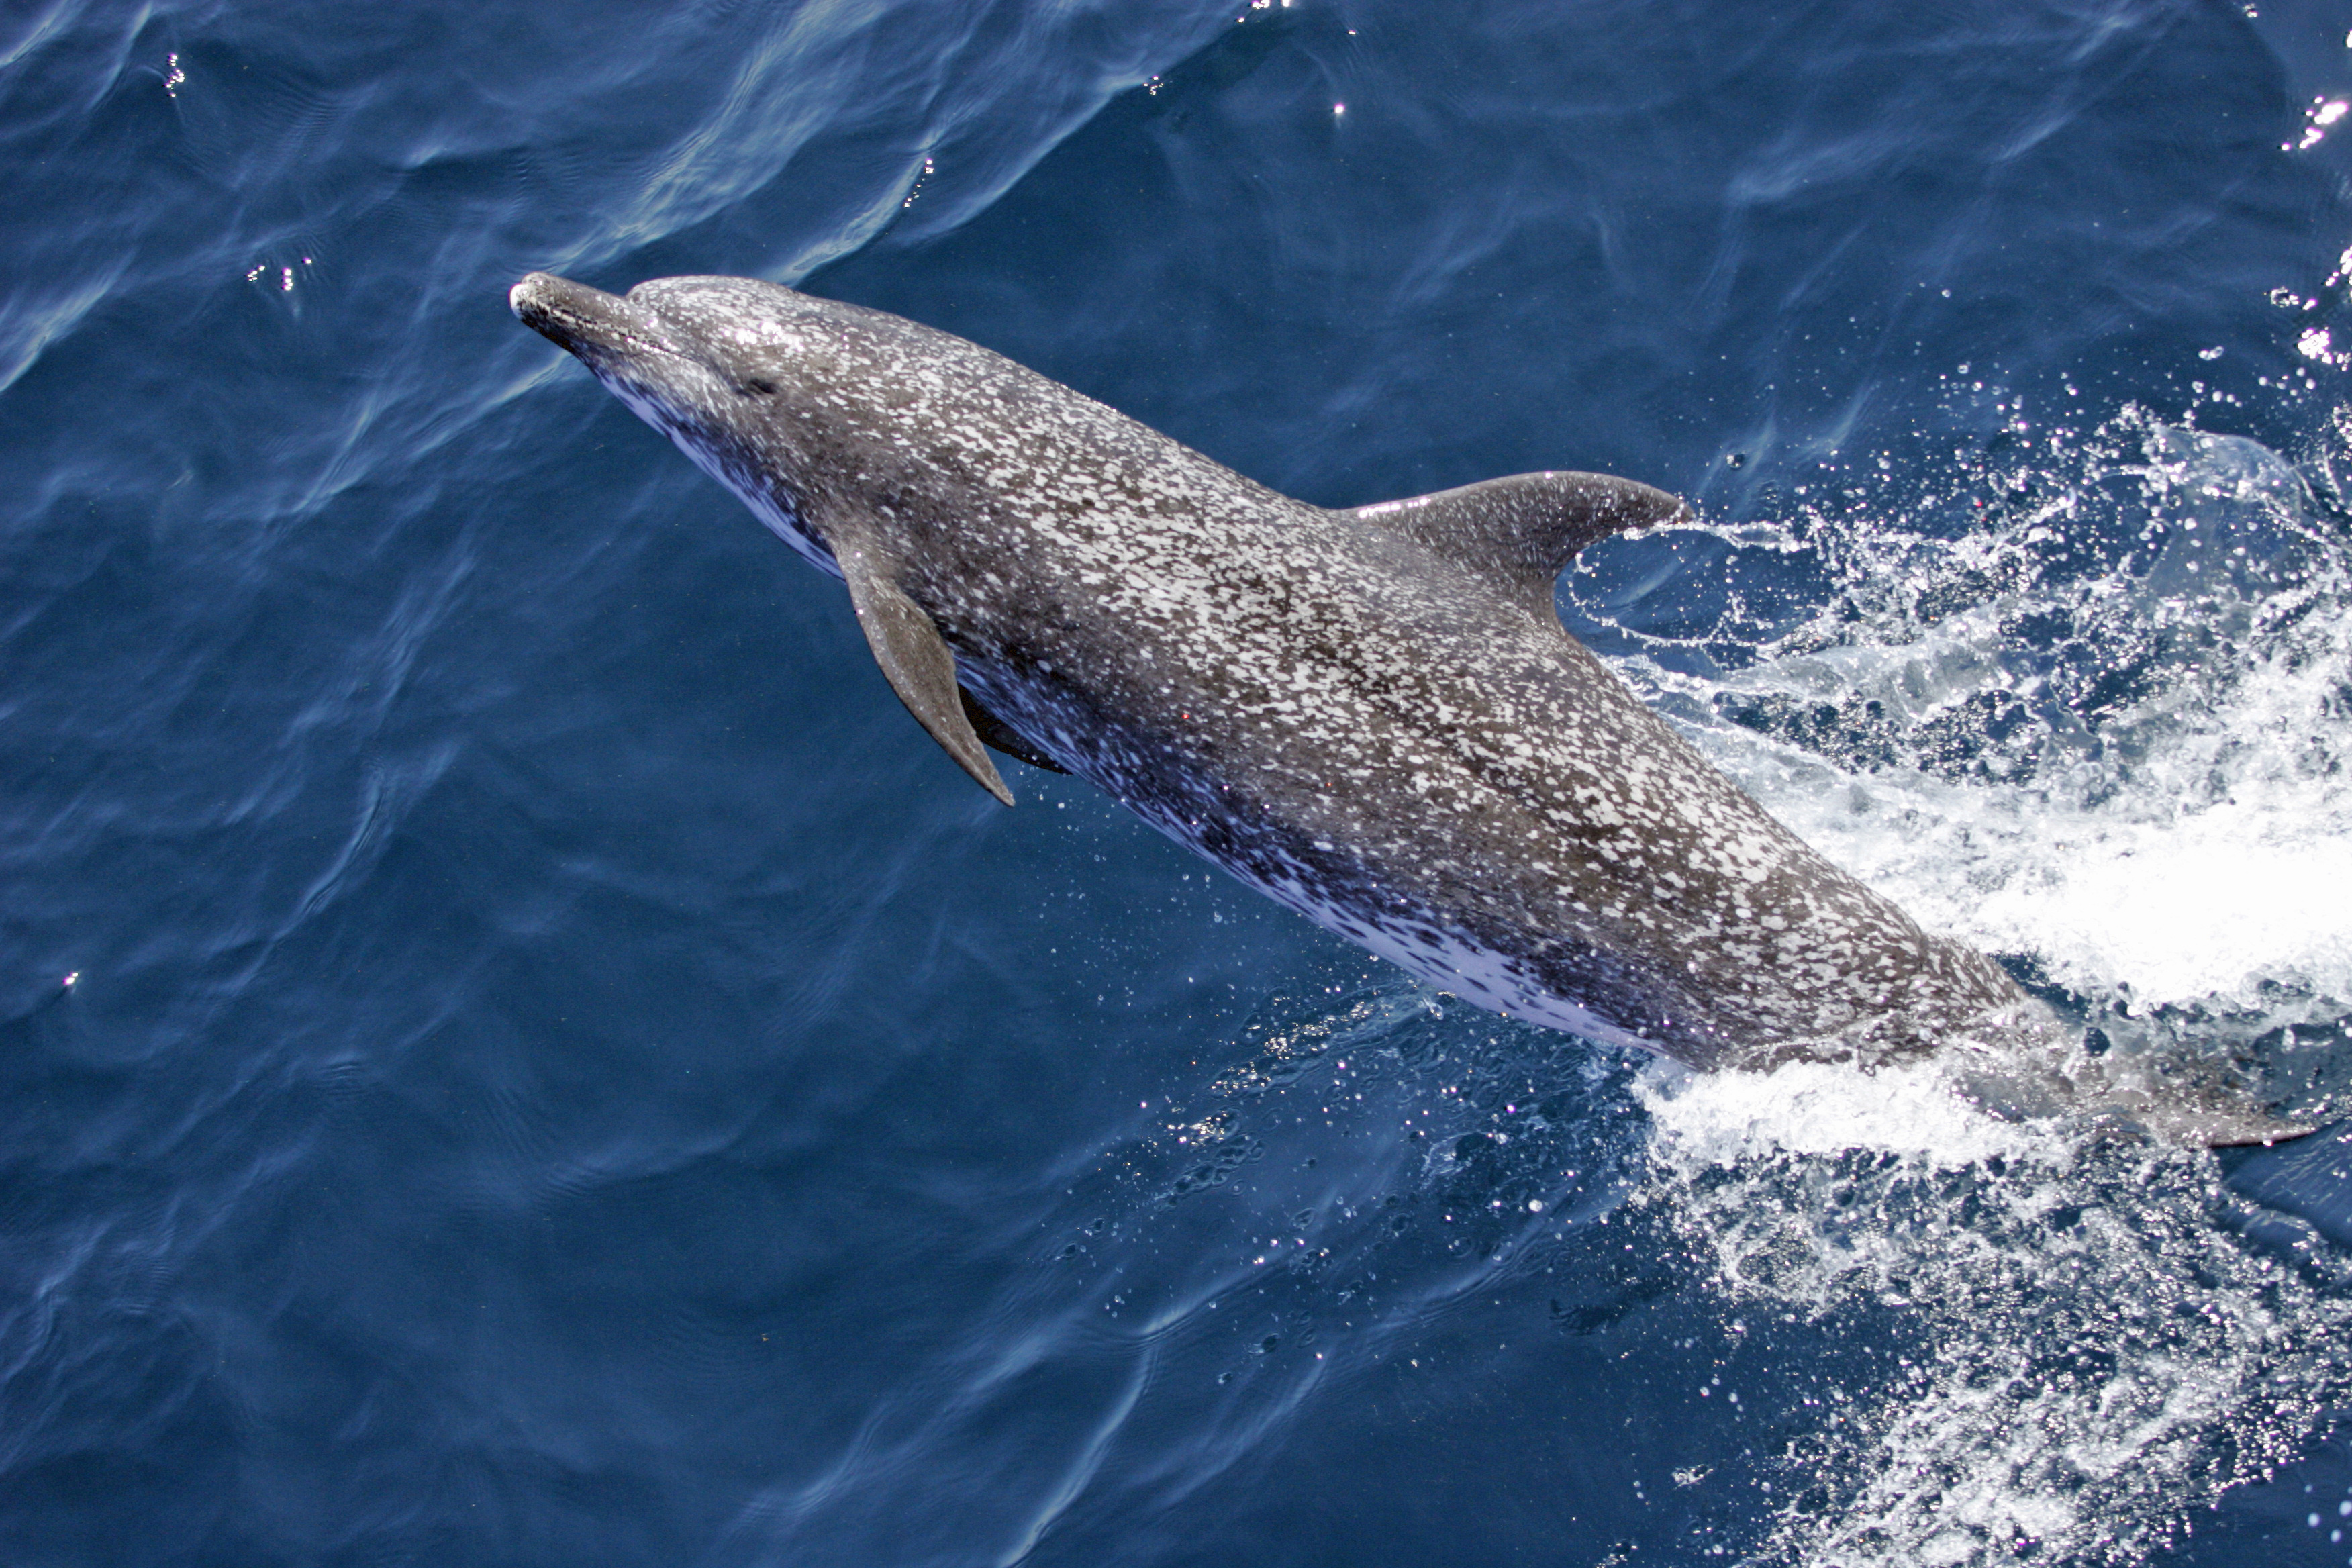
[[760, 385]]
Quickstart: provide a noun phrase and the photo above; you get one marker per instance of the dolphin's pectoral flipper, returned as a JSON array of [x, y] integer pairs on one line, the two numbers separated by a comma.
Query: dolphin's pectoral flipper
[[919, 665], [998, 735], [1524, 529]]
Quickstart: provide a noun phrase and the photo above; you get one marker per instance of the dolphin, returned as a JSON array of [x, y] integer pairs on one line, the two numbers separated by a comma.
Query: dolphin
[[1372, 715]]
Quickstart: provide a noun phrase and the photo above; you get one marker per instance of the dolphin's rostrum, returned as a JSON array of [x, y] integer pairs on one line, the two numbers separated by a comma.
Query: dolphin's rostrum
[[1373, 716]]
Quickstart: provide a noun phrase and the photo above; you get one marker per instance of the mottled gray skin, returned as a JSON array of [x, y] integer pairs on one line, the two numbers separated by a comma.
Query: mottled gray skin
[[1372, 716]]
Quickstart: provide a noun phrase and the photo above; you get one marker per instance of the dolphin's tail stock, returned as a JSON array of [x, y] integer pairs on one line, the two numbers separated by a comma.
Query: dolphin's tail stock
[[2038, 1069]]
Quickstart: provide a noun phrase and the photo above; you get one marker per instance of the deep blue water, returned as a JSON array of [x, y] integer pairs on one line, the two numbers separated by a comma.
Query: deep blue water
[[561, 1071]]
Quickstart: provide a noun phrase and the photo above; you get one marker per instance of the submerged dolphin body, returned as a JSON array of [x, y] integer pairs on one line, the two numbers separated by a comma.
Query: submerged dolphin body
[[1373, 716]]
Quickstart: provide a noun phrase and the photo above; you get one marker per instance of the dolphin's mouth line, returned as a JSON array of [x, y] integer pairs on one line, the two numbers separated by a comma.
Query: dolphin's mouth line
[[585, 333], [540, 301]]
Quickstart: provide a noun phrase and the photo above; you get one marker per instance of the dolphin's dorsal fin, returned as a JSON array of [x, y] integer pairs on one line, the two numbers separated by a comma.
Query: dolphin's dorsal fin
[[1523, 530], [919, 665]]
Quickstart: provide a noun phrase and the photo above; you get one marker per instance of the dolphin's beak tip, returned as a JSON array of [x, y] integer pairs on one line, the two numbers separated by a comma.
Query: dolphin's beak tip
[[603, 329], [530, 292]]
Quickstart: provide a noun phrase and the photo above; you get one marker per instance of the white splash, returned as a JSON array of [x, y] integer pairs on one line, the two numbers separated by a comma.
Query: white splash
[[2149, 799], [1705, 1120], [2188, 844]]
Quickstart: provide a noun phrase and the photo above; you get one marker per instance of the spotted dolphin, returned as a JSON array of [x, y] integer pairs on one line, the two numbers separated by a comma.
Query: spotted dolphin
[[1373, 715]]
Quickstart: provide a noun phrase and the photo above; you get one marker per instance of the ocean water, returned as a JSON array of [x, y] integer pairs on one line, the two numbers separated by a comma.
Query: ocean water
[[515, 1050]]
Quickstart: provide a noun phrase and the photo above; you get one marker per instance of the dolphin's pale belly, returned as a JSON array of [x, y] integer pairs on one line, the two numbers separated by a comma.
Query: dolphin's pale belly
[[1420, 938], [1451, 959]]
